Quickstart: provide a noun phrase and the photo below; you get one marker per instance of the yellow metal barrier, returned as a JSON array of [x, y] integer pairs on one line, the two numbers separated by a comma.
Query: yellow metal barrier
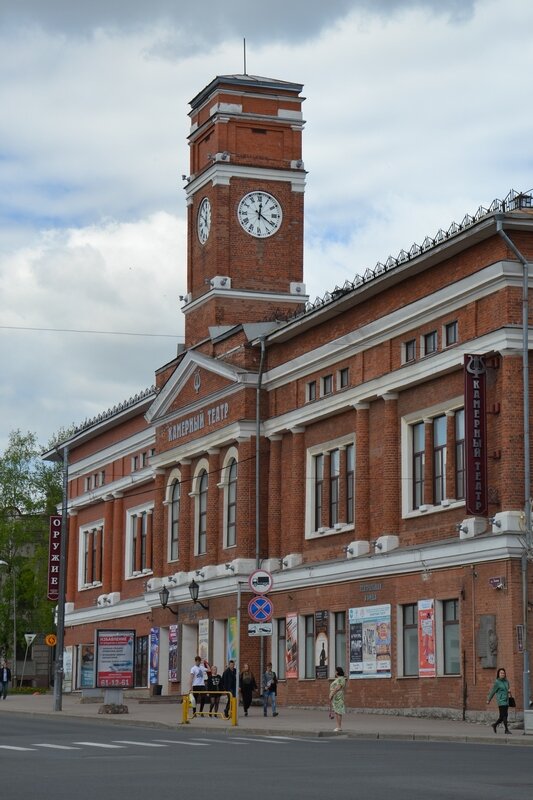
[[187, 706]]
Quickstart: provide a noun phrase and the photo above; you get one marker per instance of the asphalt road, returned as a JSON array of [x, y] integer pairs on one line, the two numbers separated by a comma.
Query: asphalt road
[[53, 759]]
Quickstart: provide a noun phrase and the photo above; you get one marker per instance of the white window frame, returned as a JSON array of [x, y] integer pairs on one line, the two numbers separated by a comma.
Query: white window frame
[[129, 572], [340, 372], [323, 391], [203, 465], [324, 448], [231, 455], [445, 328], [406, 424], [423, 351], [82, 533], [174, 476], [406, 360]]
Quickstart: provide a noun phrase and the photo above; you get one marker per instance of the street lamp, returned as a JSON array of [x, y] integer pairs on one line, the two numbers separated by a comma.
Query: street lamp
[[14, 581], [193, 590], [164, 594]]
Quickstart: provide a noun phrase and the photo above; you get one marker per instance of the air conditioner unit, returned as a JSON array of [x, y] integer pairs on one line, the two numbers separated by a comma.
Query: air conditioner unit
[[297, 288], [220, 282]]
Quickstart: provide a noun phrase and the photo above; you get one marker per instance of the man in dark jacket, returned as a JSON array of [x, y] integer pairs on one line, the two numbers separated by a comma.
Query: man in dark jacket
[[5, 677], [229, 684]]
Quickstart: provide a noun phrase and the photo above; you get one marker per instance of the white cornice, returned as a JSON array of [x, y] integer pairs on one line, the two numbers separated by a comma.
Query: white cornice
[[219, 438], [124, 448], [241, 294], [428, 558], [223, 172]]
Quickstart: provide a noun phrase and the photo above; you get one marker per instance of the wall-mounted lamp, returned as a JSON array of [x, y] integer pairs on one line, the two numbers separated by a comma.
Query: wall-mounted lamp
[[194, 589], [496, 522], [283, 563], [172, 579], [461, 528], [377, 545], [199, 573], [348, 550], [230, 567], [164, 594]]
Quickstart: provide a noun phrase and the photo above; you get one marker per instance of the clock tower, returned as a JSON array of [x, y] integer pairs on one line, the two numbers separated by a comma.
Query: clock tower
[[245, 206]]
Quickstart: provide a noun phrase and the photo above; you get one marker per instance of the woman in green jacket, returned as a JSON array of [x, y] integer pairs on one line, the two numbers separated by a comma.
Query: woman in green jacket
[[501, 689]]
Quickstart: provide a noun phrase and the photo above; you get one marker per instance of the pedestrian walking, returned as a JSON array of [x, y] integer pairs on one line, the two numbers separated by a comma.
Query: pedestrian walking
[[501, 688], [336, 697], [247, 685], [198, 680], [229, 684], [270, 687], [214, 685], [5, 677]]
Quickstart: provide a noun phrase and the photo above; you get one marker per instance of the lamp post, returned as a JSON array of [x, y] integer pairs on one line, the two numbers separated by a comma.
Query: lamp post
[[14, 582]]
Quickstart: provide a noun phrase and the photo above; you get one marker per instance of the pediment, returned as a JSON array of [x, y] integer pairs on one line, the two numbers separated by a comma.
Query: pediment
[[196, 379]]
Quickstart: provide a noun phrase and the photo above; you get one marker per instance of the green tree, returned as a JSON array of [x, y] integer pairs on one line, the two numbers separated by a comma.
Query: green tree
[[30, 490]]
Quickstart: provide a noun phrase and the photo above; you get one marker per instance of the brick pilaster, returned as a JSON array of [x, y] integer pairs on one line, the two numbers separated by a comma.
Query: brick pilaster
[[362, 472]]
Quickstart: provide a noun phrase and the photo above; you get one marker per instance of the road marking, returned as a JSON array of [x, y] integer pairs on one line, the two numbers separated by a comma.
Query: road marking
[[57, 746], [258, 739], [99, 744], [12, 747], [139, 744], [217, 741], [188, 744]]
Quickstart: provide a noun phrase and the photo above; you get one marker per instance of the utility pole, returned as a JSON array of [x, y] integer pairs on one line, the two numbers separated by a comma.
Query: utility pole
[[58, 672]]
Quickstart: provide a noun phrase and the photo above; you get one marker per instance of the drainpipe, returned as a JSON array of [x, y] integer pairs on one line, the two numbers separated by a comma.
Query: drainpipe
[[527, 466], [257, 451]]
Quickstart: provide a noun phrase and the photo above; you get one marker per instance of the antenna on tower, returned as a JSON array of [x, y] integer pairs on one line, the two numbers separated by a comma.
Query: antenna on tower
[[244, 55]]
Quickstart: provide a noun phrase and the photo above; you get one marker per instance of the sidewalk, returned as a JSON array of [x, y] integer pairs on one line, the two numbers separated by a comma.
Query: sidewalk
[[290, 722]]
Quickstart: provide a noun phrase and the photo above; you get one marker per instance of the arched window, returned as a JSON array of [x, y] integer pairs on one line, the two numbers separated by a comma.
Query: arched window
[[202, 512], [231, 504], [175, 520]]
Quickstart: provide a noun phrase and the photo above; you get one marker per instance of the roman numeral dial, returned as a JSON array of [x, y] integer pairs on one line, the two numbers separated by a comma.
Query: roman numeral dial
[[259, 214]]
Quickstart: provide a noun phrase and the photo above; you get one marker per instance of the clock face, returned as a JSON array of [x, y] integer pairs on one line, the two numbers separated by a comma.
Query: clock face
[[259, 214], [203, 223]]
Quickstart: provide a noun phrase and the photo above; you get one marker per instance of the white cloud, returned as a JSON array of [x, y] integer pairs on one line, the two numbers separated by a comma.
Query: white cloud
[[417, 113]]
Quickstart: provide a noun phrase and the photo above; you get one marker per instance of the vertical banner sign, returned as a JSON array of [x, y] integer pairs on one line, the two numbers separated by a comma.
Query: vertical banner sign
[[154, 655], [321, 644], [173, 653], [291, 644], [54, 554], [203, 639], [231, 639], [426, 639], [476, 491]]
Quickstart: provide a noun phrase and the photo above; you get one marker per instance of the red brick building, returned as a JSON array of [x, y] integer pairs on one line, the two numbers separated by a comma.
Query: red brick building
[[326, 444]]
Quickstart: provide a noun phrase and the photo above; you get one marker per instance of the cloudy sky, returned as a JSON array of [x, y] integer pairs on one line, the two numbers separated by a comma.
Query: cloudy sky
[[418, 111]]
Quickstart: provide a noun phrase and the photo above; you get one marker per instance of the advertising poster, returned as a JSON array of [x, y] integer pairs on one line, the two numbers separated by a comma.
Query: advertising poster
[[87, 666], [231, 639], [370, 641], [203, 639], [115, 659], [291, 656], [154, 655], [426, 639], [321, 644], [67, 669], [173, 653]]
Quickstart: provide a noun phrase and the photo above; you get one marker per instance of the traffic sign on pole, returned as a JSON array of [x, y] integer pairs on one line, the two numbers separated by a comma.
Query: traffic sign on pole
[[260, 609], [260, 581]]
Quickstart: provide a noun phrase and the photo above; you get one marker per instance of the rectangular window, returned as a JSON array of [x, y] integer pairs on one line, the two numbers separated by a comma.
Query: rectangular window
[[439, 459], [344, 378], [139, 542], [134, 463], [144, 459], [460, 454], [319, 490], [340, 639], [350, 483], [451, 333], [92, 539], [418, 457], [281, 647], [430, 343], [450, 637], [311, 391], [141, 661], [88, 483], [334, 473], [409, 351], [410, 639], [309, 623], [327, 384]]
